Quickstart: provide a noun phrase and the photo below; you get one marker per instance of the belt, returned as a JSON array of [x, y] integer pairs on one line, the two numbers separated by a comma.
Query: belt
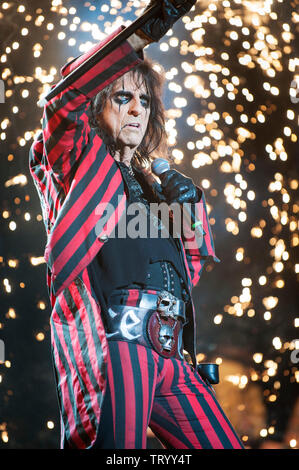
[[153, 320]]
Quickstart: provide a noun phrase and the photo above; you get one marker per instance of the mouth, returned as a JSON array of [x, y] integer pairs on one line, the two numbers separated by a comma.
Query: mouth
[[134, 125]]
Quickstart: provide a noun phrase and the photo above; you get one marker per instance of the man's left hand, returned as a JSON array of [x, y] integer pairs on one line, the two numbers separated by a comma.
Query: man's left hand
[[171, 11], [177, 187]]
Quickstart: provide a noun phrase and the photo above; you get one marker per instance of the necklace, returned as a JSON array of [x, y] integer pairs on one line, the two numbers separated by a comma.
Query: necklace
[[131, 170]]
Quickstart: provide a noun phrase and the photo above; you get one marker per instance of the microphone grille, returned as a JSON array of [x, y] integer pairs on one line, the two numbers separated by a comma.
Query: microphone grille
[[159, 166]]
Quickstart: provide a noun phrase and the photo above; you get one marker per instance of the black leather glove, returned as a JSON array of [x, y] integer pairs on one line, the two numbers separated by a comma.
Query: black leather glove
[[171, 11], [179, 188]]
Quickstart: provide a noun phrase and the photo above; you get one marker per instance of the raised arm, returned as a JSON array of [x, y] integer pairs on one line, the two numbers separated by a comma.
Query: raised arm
[[65, 121], [65, 129]]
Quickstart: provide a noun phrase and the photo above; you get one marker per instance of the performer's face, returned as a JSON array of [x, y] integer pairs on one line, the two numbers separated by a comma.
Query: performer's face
[[126, 112]]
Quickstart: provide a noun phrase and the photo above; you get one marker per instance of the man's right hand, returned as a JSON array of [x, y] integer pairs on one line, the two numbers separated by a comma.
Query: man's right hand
[[171, 10]]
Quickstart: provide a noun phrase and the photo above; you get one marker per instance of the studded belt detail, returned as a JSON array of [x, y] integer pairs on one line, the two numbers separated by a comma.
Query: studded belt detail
[[156, 322], [163, 274]]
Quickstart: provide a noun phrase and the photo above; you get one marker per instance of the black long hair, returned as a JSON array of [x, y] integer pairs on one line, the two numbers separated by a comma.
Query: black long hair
[[154, 143]]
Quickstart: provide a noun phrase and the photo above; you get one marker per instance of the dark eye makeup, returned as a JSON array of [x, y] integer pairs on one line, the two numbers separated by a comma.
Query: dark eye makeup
[[123, 97]]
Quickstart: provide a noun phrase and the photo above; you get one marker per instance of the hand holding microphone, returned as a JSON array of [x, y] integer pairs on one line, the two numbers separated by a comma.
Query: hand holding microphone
[[175, 186]]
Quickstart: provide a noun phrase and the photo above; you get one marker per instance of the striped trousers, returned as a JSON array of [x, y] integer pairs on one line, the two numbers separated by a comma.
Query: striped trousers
[[168, 395]]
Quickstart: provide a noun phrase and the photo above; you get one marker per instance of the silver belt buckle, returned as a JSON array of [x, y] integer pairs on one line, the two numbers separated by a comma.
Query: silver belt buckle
[[169, 306]]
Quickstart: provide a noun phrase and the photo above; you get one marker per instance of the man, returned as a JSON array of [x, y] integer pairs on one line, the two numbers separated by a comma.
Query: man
[[122, 311]]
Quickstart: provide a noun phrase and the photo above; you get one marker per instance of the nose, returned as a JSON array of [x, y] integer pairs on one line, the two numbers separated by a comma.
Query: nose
[[135, 107]]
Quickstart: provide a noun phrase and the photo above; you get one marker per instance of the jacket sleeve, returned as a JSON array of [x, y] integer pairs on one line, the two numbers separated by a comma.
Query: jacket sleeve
[[75, 176], [65, 130], [198, 243]]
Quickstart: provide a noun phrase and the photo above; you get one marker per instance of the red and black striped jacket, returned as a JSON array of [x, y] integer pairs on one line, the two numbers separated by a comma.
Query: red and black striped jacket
[[74, 174]]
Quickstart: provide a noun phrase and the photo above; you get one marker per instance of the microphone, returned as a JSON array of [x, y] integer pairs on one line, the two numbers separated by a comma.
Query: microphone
[[159, 167]]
